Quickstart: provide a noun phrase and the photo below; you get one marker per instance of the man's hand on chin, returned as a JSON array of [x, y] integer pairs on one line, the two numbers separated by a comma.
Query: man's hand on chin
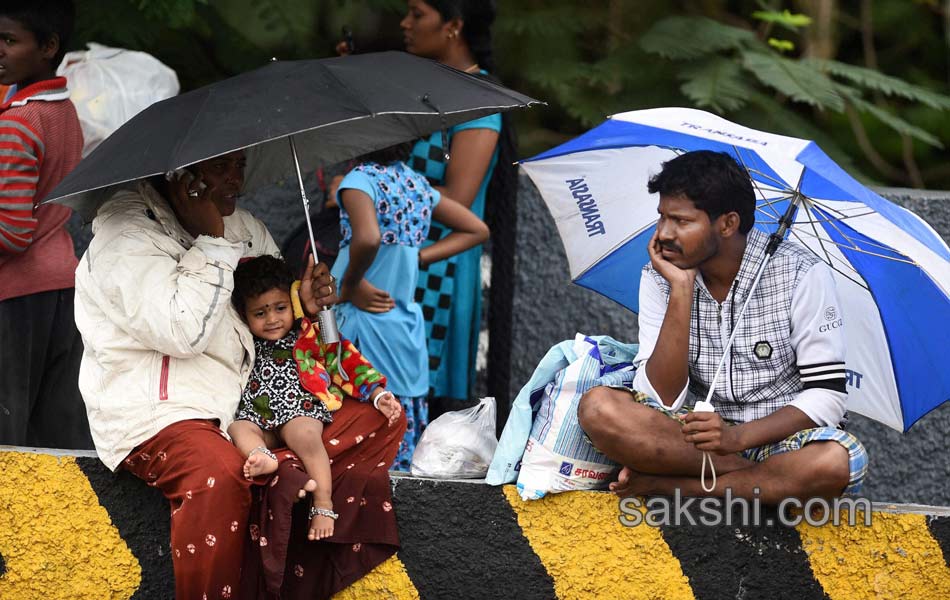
[[675, 275]]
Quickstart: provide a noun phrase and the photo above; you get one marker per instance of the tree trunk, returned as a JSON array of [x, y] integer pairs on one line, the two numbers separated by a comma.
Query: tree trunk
[[818, 39]]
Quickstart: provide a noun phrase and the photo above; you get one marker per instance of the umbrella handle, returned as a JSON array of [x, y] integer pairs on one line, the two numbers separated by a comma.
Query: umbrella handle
[[329, 332], [706, 406]]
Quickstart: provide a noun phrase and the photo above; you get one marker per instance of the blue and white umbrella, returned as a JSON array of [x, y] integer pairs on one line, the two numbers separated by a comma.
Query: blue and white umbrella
[[892, 269]]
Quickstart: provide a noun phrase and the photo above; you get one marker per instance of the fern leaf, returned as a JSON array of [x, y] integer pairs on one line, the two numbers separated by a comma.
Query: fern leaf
[[893, 121], [879, 82], [684, 38], [794, 79], [561, 22], [777, 118], [716, 83]]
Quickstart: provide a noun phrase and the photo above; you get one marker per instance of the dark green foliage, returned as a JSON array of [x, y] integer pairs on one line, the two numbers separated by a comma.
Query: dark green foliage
[[884, 116]]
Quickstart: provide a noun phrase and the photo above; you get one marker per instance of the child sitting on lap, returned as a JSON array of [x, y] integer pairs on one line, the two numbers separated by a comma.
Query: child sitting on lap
[[294, 384]]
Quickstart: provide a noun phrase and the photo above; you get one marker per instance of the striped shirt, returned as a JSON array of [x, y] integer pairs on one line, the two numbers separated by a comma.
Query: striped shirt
[[40, 142]]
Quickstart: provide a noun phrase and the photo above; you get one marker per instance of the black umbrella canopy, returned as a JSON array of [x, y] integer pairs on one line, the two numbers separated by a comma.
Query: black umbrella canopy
[[336, 109]]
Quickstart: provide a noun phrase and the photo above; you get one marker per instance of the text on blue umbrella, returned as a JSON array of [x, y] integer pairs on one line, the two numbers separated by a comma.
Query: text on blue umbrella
[[587, 205]]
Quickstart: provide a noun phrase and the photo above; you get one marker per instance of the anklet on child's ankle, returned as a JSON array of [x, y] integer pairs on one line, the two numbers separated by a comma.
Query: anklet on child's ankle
[[323, 512], [264, 451]]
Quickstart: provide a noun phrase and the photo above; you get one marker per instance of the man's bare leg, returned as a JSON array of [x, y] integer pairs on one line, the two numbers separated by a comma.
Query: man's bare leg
[[818, 470], [643, 438]]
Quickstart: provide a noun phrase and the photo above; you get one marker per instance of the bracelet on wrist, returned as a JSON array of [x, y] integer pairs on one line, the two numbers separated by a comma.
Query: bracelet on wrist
[[379, 394]]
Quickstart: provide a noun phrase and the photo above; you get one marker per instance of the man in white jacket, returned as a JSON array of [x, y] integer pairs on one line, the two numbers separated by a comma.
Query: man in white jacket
[[166, 356], [781, 397]]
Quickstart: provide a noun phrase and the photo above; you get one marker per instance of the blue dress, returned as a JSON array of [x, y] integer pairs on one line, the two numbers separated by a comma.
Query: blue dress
[[450, 290], [393, 341]]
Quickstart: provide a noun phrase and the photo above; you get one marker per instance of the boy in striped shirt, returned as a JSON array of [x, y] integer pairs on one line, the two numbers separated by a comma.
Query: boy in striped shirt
[[40, 142]]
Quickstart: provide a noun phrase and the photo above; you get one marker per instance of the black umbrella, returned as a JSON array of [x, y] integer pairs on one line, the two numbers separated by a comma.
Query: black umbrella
[[335, 109], [329, 110]]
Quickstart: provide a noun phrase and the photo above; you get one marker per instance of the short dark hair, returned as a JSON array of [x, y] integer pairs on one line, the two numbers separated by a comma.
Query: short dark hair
[[258, 275], [44, 18], [714, 182]]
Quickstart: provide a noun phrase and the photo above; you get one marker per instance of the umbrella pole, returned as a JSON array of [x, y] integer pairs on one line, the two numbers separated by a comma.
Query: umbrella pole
[[774, 240], [326, 319]]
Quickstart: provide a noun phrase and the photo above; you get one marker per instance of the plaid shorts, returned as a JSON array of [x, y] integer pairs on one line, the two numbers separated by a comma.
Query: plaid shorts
[[857, 455]]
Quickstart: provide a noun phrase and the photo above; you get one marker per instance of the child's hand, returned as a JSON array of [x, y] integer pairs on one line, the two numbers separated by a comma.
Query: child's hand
[[387, 404], [368, 297]]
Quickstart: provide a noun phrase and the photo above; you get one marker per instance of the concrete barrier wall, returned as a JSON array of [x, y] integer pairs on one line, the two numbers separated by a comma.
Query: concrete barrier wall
[[70, 529], [548, 308]]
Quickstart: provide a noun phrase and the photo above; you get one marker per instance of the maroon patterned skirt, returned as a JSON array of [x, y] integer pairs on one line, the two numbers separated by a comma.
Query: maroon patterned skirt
[[280, 561]]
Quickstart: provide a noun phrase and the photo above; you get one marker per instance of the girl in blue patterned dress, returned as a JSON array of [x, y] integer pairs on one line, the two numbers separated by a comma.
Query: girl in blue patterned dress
[[473, 163], [386, 210]]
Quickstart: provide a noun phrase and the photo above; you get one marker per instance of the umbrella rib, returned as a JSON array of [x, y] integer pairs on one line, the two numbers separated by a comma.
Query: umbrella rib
[[755, 183], [831, 265], [815, 229], [832, 209], [853, 245], [779, 184], [829, 259], [182, 139], [774, 201], [844, 218], [771, 188], [770, 204], [349, 91], [854, 248]]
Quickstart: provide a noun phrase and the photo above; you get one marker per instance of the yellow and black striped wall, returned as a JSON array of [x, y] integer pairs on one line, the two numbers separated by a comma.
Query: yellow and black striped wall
[[69, 528]]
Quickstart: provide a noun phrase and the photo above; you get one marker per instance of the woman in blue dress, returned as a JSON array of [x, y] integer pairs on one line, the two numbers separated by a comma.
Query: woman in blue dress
[[476, 166], [386, 212]]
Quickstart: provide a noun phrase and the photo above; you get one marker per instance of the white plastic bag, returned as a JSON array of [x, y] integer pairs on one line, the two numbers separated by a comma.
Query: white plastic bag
[[458, 444], [109, 86]]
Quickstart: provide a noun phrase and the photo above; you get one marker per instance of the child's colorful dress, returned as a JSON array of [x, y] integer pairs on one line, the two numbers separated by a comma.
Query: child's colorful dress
[[297, 376]]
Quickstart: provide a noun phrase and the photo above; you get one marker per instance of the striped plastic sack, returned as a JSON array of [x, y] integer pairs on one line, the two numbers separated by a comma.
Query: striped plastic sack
[[558, 456]]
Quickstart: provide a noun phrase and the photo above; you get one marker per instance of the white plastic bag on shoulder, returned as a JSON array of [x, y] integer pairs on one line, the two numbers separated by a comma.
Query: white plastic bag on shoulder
[[109, 86], [458, 444]]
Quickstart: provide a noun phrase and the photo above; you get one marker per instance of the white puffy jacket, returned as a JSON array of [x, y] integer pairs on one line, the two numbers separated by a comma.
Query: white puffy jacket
[[162, 341]]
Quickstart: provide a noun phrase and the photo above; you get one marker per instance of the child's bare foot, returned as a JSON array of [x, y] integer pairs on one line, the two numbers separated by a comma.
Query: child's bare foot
[[321, 522], [260, 461]]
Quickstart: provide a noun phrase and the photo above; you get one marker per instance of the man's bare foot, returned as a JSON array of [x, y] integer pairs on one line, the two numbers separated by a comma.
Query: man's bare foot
[[260, 461], [321, 525], [632, 483]]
